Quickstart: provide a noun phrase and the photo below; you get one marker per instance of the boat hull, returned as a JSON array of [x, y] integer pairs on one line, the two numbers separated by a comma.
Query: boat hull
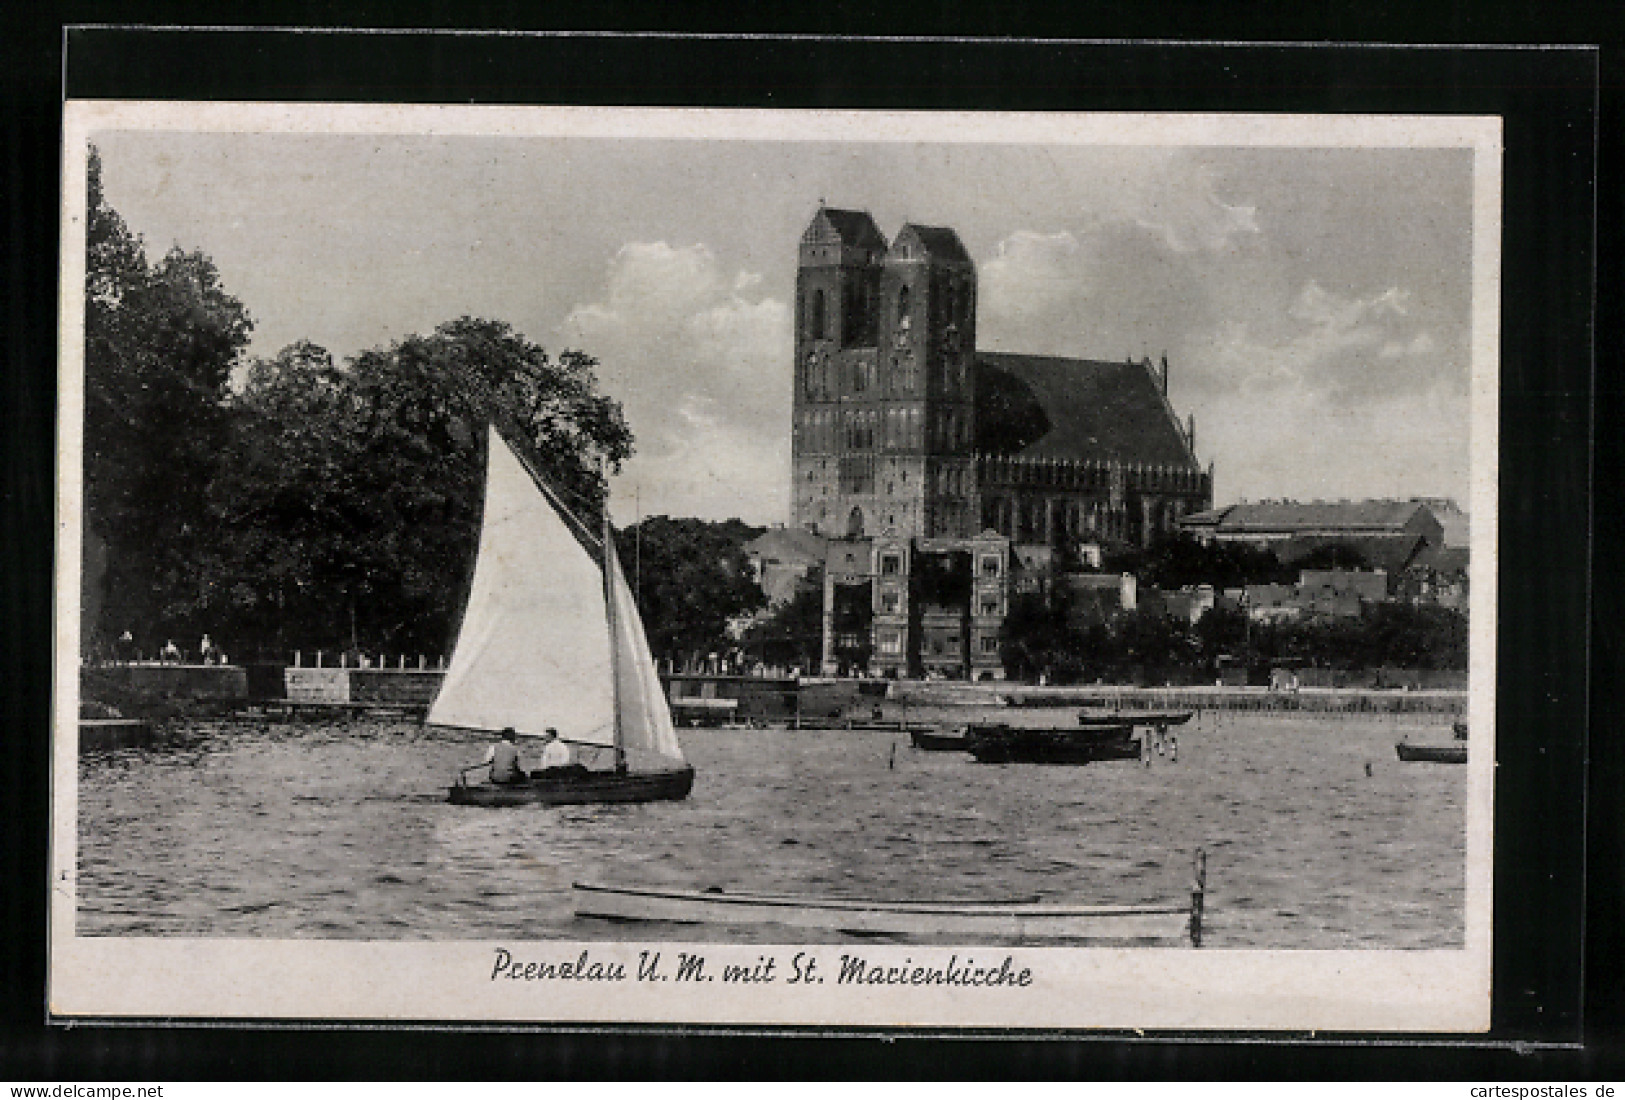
[[580, 788], [1431, 754], [999, 744], [929, 741], [1161, 719], [1102, 925], [103, 734]]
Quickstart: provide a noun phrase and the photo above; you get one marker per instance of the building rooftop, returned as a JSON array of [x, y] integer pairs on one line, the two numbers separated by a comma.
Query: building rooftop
[[1040, 406], [854, 227], [1287, 516], [940, 242], [795, 545]]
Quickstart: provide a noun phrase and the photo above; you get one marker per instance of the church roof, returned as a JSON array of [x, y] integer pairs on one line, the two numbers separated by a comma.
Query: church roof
[[1040, 406], [854, 227], [939, 242]]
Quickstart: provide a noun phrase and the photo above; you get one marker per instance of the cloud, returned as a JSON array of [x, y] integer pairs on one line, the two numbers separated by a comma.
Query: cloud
[[1033, 276], [1347, 346], [703, 373], [1184, 209], [1302, 443], [1099, 290]]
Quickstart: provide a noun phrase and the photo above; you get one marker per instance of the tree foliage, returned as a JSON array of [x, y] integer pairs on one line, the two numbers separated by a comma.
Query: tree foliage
[[691, 578], [792, 636], [1042, 637], [161, 341], [1180, 560], [348, 510]]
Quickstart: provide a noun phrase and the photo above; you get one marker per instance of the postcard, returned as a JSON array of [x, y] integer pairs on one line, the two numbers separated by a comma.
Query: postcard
[[854, 569]]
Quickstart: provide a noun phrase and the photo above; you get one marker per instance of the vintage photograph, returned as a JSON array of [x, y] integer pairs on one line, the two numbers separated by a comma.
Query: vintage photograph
[[839, 568]]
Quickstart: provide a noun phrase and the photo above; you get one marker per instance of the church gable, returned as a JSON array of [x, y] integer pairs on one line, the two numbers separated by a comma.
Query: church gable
[[929, 242], [850, 229], [1045, 407]]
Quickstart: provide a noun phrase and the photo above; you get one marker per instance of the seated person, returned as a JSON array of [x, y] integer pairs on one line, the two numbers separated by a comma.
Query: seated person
[[503, 760], [557, 757]]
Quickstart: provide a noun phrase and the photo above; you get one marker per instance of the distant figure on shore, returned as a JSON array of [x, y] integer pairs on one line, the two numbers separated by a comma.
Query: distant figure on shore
[[124, 648], [205, 650], [171, 653], [502, 759]]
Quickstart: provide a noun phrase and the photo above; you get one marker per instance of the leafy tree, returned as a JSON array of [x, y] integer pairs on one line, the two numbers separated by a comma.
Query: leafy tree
[[1154, 641], [792, 635], [1223, 630], [1037, 632], [349, 505], [691, 578], [161, 341], [1181, 560]]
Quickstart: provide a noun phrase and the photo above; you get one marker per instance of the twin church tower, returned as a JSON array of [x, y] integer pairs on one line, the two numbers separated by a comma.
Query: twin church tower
[[911, 450], [884, 404]]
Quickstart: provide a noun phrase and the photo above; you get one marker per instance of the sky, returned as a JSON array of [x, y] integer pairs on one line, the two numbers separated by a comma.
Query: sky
[[1314, 303]]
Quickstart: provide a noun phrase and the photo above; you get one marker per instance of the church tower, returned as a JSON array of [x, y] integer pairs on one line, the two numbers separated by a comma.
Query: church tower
[[834, 429], [927, 354], [884, 422]]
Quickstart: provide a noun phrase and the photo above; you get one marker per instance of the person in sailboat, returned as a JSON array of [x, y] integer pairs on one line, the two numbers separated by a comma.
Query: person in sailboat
[[557, 756], [502, 758]]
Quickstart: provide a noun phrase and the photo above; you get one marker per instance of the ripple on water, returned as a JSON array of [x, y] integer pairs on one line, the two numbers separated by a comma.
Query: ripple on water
[[347, 827]]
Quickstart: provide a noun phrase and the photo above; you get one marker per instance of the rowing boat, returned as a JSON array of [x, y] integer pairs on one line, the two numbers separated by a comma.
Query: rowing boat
[[1431, 754], [998, 743], [1170, 924], [928, 740]]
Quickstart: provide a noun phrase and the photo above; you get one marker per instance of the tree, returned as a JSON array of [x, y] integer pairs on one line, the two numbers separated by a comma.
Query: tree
[[1035, 635], [1156, 642], [349, 505], [691, 579], [1180, 560], [161, 342], [793, 634]]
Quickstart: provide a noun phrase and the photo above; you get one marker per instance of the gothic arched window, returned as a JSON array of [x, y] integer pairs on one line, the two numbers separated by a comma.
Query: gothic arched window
[[818, 318], [902, 307]]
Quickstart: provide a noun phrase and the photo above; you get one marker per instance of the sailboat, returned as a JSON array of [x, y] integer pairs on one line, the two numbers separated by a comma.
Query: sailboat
[[551, 639]]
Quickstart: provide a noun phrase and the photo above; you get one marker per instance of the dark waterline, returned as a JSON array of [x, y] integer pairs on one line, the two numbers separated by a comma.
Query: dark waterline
[[341, 831]]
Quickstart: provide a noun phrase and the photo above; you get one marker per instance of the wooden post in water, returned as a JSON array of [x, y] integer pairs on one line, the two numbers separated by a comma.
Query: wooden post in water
[[1198, 890]]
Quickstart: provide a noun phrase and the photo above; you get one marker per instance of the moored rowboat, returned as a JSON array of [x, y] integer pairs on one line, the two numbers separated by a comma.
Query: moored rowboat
[[1431, 754], [931, 741], [1102, 925], [997, 743]]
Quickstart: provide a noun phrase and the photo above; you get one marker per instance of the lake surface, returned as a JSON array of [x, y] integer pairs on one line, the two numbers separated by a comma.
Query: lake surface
[[316, 830]]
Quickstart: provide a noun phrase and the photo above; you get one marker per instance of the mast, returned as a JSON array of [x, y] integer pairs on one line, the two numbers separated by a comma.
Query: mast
[[614, 633]]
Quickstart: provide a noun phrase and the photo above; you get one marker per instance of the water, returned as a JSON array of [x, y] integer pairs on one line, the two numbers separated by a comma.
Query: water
[[306, 830]]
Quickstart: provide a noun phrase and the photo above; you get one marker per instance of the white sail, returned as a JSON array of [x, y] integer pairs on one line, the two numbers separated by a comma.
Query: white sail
[[533, 651], [645, 716]]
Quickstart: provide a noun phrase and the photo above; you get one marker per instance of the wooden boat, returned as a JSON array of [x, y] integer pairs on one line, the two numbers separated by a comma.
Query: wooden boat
[[551, 638], [102, 734], [997, 743], [1160, 719], [930, 740], [1431, 754], [1026, 919]]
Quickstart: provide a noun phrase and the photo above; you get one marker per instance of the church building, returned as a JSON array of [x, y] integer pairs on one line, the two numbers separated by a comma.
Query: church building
[[937, 472]]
